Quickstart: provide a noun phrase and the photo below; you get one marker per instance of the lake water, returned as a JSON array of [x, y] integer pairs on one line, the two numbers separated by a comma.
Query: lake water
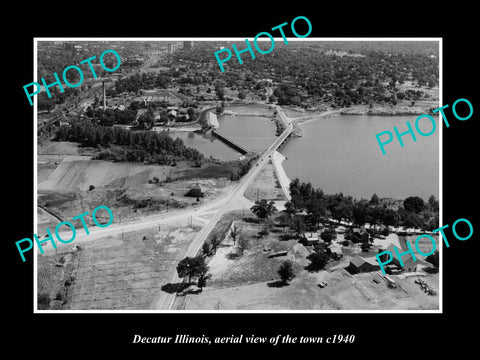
[[341, 154], [208, 146], [255, 133]]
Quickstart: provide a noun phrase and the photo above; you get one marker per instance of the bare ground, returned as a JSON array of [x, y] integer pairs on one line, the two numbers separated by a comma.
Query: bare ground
[[265, 186], [121, 272]]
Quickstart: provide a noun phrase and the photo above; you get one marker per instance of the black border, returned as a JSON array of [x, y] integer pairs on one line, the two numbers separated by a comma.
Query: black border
[[112, 333]]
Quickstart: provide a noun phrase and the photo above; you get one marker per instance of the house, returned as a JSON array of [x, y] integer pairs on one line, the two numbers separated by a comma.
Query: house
[[360, 234], [278, 253], [311, 238], [361, 264], [409, 265], [335, 251]]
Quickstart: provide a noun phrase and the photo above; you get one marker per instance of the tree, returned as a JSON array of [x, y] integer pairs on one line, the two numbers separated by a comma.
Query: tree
[[191, 113], [263, 208], [202, 280], [220, 92], [290, 208], [286, 272], [328, 234], [360, 213], [433, 204], [192, 267], [414, 204], [298, 224], [374, 200], [207, 248], [243, 243], [241, 95], [318, 260], [215, 241], [195, 192], [284, 219], [234, 232], [434, 259]]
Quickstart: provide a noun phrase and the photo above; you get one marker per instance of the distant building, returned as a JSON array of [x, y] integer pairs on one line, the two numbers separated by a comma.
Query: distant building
[[361, 264], [172, 47], [335, 251], [310, 238], [187, 45], [409, 265], [212, 120]]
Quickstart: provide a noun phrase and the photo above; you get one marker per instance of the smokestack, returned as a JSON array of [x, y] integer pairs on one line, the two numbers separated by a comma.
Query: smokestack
[[104, 98]]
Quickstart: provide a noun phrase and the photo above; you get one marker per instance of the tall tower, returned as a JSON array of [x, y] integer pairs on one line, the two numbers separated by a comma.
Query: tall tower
[[104, 97]]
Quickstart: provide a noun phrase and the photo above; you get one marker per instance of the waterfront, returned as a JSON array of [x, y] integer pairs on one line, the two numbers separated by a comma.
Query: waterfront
[[340, 154]]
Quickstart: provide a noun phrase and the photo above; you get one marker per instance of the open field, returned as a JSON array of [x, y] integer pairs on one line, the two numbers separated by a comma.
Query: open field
[[343, 292], [64, 185], [116, 272]]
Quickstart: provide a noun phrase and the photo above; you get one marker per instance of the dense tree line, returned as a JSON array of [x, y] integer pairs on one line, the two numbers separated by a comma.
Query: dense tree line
[[109, 117], [134, 83], [118, 144], [317, 206]]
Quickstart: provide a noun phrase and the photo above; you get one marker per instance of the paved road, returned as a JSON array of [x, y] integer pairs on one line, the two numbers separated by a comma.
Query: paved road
[[165, 301], [233, 200]]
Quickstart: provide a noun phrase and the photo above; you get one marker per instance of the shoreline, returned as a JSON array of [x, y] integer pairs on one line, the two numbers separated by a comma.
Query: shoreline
[[282, 176]]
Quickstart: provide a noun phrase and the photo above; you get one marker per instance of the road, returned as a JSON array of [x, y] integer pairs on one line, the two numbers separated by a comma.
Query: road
[[164, 300], [215, 209]]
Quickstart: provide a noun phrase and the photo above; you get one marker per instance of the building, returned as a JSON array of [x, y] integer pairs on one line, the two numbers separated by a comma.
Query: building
[[311, 238], [335, 252], [187, 45], [361, 264], [409, 265], [212, 120]]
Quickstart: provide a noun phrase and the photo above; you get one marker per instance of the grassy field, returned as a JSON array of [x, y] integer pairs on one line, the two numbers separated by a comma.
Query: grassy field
[[64, 185]]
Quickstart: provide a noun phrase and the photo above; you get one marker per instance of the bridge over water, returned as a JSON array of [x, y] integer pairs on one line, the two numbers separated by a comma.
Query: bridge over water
[[229, 142]]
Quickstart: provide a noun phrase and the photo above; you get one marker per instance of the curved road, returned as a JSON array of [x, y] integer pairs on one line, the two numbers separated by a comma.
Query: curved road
[[165, 301], [233, 200]]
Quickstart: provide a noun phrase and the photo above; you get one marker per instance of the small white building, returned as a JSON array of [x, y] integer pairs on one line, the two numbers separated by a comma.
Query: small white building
[[212, 120], [310, 238]]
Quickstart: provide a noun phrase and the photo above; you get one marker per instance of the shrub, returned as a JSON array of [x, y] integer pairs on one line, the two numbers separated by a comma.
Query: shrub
[[195, 192], [43, 301]]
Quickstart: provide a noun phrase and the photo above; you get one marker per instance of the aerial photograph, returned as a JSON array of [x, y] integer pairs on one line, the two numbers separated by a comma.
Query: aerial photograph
[[263, 187]]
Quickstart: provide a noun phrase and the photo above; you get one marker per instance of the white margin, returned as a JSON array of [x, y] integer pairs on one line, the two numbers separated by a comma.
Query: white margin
[[35, 257]]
